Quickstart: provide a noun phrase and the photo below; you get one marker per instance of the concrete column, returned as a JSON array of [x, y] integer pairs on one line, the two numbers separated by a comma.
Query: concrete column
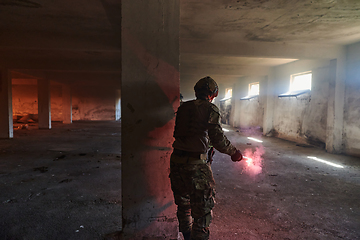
[[44, 106], [336, 103], [150, 96], [6, 114], [66, 104], [118, 104], [220, 96], [269, 104]]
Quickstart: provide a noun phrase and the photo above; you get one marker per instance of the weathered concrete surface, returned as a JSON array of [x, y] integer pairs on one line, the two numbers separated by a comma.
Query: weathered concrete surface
[[44, 103], [248, 113], [352, 102], [302, 118], [63, 183], [53, 182], [6, 124], [292, 198], [150, 96], [88, 102], [93, 103]]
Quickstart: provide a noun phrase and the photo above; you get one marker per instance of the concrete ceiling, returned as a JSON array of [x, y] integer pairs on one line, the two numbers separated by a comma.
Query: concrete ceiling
[[301, 21], [246, 37], [68, 39]]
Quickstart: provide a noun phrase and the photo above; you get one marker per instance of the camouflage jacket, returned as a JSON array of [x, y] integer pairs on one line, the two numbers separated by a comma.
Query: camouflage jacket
[[197, 122]]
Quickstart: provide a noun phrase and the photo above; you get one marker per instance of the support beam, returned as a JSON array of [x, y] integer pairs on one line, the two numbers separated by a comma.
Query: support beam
[[230, 71], [44, 105], [336, 103], [118, 104], [66, 104], [150, 69], [60, 60], [6, 114], [261, 49], [270, 98]]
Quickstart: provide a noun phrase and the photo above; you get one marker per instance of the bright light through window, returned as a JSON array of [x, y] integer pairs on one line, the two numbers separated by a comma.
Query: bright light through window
[[326, 162], [228, 93], [254, 89], [254, 139], [300, 82]]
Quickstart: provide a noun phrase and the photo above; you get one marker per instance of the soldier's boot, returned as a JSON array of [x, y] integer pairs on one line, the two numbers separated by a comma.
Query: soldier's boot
[[186, 235]]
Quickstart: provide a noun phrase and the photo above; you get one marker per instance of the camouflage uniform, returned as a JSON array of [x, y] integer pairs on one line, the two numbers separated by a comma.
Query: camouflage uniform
[[191, 177]]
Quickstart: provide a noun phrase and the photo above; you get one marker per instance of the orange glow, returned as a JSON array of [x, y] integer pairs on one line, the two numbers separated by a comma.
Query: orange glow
[[249, 161], [252, 164]]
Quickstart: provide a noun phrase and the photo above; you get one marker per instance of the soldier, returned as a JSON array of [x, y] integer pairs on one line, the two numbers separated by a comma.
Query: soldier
[[192, 182]]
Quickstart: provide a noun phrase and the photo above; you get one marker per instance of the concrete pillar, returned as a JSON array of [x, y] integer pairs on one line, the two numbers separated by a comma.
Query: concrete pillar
[[118, 104], [269, 104], [66, 104], [220, 96], [336, 103], [44, 106], [6, 114], [150, 96]]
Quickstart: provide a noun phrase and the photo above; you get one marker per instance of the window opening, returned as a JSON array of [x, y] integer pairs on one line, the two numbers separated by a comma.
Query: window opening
[[254, 90], [228, 94], [300, 83]]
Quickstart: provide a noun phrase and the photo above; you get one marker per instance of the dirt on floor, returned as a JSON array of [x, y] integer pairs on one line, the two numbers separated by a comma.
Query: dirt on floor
[[64, 183], [293, 197]]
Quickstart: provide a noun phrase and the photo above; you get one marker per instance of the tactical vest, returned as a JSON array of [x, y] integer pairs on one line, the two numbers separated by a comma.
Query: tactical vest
[[191, 125]]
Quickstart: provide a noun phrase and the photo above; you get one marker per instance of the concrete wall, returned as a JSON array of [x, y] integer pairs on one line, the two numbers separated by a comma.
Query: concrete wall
[[93, 103], [247, 113], [25, 101], [89, 102], [302, 118], [352, 102]]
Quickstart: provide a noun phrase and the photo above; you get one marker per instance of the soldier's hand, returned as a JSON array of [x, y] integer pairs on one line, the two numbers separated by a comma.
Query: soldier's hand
[[237, 156]]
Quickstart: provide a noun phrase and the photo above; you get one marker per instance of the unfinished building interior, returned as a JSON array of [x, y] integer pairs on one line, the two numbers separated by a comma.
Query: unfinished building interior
[[88, 95]]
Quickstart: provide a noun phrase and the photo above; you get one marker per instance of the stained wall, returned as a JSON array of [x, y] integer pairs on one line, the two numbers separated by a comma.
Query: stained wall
[[352, 102], [302, 118], [88, 102]]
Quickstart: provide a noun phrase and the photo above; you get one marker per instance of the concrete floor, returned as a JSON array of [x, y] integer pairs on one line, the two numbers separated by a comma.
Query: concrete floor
[[64, 183]]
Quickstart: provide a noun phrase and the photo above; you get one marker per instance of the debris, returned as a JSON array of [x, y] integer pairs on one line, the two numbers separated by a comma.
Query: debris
[[65, 181], [248, 143], [10, 201], [60, 157], [29, 118], [41, 169], [272, 175]]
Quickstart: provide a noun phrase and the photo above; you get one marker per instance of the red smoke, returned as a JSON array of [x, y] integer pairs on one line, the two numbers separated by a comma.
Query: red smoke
[[252, 162]]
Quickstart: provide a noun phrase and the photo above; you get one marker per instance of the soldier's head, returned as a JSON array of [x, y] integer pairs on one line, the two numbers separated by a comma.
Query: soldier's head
[[206, 89]]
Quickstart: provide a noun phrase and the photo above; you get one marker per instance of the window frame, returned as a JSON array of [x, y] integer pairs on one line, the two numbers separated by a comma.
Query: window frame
[[248, 97], [295, 93]]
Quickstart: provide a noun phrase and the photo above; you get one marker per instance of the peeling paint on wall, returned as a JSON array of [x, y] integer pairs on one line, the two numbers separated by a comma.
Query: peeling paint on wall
[[89, 103]]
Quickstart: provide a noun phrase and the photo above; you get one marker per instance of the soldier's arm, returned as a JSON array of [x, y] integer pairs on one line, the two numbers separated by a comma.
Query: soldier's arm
[[219, 140], [216, 134]]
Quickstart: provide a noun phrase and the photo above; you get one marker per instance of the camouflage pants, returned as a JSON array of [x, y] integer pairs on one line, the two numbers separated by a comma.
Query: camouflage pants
[[193, 186]]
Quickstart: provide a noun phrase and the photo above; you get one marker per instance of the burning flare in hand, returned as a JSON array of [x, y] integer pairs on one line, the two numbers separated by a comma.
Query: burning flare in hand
[[248, 160], [253, 161]]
